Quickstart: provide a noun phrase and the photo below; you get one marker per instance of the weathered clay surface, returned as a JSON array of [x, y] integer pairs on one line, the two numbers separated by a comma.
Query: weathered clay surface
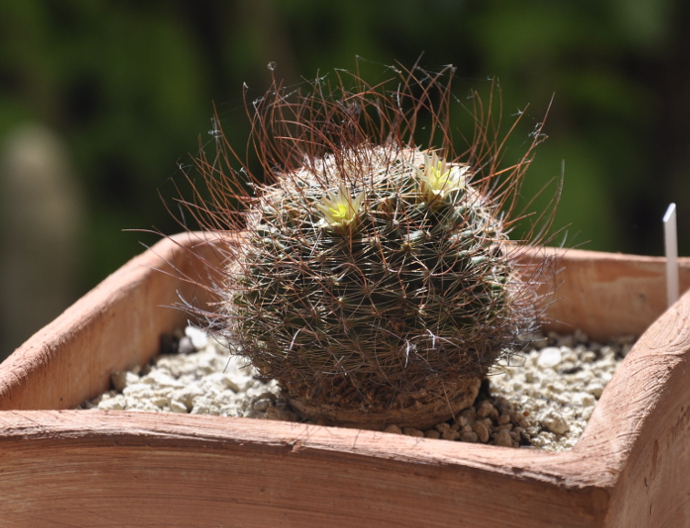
[[98, 468]]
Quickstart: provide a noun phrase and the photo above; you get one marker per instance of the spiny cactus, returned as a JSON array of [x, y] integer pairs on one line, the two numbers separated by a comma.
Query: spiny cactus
[[373, 278]]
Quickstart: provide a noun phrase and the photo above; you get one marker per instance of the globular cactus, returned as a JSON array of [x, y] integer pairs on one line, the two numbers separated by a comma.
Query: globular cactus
[[373, 278]]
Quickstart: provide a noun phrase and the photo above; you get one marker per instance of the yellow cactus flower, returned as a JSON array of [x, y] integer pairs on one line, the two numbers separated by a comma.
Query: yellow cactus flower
[[438, 178], [339, 210]]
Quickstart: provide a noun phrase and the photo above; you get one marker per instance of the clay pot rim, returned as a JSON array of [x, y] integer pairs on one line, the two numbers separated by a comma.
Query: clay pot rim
[[597, 460]]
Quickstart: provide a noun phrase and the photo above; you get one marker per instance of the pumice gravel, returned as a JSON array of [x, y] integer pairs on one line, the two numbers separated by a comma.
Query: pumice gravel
[[539, 398]]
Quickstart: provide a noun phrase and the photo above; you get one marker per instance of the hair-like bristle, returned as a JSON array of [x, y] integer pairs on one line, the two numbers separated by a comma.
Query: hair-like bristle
[[367, 269]]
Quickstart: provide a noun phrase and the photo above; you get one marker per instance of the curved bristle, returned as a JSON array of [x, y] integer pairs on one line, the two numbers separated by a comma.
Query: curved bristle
[[368, 265]]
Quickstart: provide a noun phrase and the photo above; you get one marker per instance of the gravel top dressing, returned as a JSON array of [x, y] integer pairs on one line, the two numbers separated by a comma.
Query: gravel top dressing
[[540, 398]]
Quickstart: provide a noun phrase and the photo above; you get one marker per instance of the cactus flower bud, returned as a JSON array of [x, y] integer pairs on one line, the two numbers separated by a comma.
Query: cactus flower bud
[[340, 211], [438, 178]]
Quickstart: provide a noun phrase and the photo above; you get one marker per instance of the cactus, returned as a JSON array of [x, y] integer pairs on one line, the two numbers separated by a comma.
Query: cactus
[[373, 278]]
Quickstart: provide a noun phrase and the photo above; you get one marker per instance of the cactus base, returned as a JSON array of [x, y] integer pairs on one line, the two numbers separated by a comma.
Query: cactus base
[[420, 410]]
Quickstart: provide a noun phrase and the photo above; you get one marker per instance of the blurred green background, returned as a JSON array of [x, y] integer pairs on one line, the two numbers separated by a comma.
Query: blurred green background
[[129, 88]]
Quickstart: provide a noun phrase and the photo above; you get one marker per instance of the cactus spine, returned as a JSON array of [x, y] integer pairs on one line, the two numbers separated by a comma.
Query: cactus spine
[[373, 278]]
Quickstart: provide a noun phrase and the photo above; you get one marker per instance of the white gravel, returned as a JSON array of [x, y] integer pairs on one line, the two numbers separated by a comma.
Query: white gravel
[[541, 398], [557, 383], [204, 378]]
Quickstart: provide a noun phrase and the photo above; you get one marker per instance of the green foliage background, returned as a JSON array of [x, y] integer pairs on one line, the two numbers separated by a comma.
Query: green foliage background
[[131, 86]]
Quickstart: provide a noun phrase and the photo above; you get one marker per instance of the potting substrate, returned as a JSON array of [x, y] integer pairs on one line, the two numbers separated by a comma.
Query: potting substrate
[[541, 397]]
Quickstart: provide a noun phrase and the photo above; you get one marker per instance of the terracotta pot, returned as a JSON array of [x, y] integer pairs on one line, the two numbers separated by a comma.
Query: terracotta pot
[[63, 467]]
